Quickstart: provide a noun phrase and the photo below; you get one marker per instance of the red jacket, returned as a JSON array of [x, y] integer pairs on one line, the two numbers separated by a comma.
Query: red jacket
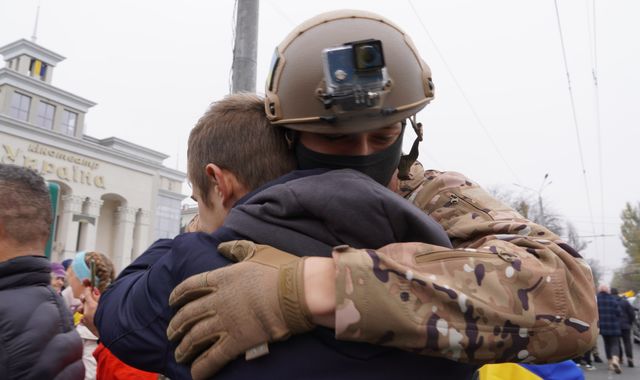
[[111, 368]]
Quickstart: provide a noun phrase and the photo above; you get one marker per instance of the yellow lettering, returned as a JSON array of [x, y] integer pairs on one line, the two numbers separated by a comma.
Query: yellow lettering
[[30, 163], [63, 173], [99, 182], [85, 178], [47, 167], [11, 155], [73, 173]]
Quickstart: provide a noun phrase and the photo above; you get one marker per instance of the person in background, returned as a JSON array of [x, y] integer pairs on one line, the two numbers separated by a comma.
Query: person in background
[[79, 278], [609, 323], [37, 337], [66, 263], [67, 293], [58, 277], [99, 361], [596, 355], [627, 315]]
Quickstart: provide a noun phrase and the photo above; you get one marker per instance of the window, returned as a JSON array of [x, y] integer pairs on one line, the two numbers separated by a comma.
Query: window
[[69, 122], [45, 115], [167, 217], [20, 106]]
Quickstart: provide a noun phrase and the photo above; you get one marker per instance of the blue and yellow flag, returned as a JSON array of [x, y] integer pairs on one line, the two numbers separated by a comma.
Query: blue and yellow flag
[[38, 68], [566, 370]]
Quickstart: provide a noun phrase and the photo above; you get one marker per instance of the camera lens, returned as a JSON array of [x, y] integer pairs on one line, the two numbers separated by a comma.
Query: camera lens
[[367, 53], [368, 56]]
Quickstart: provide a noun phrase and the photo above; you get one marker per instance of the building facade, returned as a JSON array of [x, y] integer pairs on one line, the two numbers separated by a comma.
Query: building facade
[[116, 197]]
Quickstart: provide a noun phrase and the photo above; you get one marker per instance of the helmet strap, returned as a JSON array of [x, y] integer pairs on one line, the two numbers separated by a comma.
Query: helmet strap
[[290, 136], [407, 160]]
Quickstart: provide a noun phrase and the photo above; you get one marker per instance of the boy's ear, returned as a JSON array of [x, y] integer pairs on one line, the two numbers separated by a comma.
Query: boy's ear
[[224, 183]]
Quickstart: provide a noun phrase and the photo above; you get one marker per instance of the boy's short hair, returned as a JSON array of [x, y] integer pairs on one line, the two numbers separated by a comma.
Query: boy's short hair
[[25, 205], [236, 135]]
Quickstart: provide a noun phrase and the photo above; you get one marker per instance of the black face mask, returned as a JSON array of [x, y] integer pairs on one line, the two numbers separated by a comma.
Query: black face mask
[[379, 166]]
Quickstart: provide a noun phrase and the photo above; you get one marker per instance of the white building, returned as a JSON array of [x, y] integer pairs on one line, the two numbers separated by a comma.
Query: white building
[[116, 196]]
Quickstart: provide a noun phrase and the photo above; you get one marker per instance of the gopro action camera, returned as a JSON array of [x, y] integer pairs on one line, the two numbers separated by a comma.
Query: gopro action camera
[[355, 74]]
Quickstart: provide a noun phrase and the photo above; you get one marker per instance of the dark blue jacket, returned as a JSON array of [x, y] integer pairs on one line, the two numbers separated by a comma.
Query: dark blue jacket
[[37, 338], [302, 213], [608, 314], [627, 314]]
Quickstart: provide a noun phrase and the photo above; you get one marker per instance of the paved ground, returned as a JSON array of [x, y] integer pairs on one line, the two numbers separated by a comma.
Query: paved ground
[[601, 371]]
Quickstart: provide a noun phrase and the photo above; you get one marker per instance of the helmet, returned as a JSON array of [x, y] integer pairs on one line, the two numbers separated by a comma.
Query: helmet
[[348, 72]]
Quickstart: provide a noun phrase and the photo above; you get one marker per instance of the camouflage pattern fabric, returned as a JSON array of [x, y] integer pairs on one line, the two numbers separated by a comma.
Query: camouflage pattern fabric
[[509, 291]]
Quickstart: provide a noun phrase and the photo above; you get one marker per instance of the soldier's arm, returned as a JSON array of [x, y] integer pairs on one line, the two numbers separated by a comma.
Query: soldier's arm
[[510, 290]]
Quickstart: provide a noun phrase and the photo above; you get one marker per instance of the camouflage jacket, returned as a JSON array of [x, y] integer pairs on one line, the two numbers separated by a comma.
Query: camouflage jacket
[[509, 290]]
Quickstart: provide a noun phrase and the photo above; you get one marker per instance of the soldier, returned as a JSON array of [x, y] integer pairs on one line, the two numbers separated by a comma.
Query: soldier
[[344, 84]]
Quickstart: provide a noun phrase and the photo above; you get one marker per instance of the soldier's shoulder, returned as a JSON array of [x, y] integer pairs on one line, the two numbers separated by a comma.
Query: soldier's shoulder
[[448, 178]]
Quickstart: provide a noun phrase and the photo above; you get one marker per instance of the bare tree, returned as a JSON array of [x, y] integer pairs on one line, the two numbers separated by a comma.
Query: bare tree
[[573, 239], [535, 210]]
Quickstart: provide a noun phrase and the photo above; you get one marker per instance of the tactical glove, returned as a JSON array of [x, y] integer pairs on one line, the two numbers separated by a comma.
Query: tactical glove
[[238, 308]]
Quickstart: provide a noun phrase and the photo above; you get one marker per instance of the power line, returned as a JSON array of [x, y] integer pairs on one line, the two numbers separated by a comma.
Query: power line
[[281, 13], [464, 95], [575, 121], [597, 236], [593, 40]]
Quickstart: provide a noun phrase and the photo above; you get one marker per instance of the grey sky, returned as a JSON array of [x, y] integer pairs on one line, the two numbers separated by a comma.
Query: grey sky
[[154, 66]]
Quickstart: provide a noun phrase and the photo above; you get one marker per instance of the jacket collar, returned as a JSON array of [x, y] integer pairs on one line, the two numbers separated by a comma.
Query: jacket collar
[[25, 271]]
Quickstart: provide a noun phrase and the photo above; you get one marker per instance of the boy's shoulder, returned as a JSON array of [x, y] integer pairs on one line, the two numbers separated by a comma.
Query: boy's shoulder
[[197, 252]]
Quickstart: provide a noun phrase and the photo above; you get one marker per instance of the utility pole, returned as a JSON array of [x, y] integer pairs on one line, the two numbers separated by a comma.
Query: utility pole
[[543, 185], [245, 47]]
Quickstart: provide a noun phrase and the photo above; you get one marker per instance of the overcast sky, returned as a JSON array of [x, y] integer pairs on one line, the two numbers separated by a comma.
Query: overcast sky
[[502, 113]]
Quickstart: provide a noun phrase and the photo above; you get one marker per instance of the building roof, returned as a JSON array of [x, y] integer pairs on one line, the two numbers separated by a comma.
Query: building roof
[[23, 46]]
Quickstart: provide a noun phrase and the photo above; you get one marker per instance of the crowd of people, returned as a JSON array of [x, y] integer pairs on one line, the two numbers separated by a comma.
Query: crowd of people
[[319, 250], [616, 317]]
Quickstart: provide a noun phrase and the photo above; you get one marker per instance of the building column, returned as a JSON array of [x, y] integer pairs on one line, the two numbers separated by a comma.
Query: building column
[[141, 236], [90, 227], [125, 218], [68, 232]]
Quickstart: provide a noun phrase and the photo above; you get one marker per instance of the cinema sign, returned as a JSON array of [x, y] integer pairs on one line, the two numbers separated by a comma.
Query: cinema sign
[[47, 161]]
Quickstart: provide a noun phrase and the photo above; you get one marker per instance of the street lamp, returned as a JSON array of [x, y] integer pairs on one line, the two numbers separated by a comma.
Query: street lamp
[[538, 192]]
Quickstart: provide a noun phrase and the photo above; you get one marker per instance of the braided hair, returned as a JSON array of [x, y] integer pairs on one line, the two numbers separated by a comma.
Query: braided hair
[[105, 271]]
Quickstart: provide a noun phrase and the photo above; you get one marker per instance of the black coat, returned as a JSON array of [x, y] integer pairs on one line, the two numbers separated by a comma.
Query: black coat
[[627, 314], [37, 337]]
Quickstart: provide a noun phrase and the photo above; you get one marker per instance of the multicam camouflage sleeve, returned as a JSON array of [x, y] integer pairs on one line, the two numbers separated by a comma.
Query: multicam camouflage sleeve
[[509, 290]]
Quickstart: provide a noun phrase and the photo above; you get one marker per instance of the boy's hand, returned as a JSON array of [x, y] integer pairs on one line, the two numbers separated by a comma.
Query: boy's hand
[[262, 299], [194, 224], [90, 298]]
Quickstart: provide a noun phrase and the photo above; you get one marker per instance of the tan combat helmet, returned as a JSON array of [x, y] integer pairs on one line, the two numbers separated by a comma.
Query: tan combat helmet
[[346, 71]]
